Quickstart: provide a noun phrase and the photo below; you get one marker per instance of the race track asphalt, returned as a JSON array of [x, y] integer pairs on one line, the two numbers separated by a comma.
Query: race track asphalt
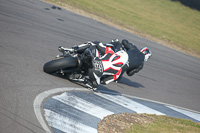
[[31, 31]]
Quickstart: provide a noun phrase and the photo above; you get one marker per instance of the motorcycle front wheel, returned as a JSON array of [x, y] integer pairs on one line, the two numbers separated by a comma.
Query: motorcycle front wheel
[[60, 64]]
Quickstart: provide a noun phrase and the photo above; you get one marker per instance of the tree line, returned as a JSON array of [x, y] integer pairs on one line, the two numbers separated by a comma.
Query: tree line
[[195, 4]]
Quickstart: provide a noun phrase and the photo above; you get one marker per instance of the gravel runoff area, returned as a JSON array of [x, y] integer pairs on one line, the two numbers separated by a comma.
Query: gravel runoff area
[[120, 122]]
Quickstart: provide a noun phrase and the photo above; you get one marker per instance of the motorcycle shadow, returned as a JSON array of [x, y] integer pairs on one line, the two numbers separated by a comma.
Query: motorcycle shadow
[[123, 80], [130, 83]]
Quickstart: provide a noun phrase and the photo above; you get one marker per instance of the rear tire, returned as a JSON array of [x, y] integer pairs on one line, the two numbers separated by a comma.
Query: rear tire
[[58, 64]]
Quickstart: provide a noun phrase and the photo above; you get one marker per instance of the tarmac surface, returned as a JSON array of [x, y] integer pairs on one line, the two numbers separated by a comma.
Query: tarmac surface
[[31, 31]]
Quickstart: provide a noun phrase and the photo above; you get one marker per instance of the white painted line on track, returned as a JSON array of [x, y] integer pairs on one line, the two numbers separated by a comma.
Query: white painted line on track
[[37, 104], [83, 105], [130, 104], [166, 104], [67, 125], [188, 113]]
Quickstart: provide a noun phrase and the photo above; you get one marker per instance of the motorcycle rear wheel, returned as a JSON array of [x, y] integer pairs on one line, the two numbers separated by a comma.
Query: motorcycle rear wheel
[[60, 64]]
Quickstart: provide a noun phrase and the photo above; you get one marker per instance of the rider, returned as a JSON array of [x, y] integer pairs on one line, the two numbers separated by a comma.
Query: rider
[[136, 58]]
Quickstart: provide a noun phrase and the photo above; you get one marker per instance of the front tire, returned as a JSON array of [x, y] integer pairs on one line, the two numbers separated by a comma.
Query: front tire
[[59, 64]]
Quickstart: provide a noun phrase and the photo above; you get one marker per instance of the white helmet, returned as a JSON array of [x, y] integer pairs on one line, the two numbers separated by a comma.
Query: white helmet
[[146, 52]]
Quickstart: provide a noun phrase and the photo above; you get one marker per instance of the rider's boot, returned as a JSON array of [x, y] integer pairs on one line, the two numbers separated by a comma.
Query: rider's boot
[[90, 86]]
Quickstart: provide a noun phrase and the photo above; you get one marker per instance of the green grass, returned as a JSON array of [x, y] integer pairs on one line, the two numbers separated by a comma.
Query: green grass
[[163, 19], [164, 124]]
